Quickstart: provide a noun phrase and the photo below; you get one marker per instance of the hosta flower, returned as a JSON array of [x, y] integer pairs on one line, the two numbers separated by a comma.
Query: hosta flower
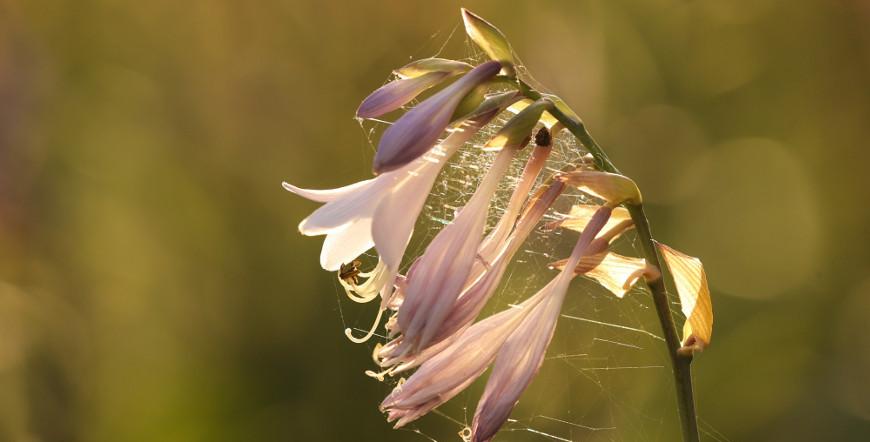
[[415, 132], [477, 291], [381, 211], [435, 280], [523, 331]]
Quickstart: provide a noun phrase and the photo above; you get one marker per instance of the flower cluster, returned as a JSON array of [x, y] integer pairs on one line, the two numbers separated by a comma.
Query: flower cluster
[[433, 308]]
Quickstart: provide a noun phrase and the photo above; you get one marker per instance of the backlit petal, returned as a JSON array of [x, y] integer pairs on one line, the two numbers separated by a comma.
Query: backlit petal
[[691, 282]]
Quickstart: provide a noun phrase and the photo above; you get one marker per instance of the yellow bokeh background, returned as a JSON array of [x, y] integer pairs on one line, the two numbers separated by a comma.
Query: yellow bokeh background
[[153, 286]]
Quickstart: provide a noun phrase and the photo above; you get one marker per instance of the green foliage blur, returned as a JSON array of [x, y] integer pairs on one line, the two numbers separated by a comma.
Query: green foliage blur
[[153, 286]]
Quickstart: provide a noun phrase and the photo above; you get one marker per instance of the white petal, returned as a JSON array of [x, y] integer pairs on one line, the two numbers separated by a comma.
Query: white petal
[[326, 195], [345, 244]]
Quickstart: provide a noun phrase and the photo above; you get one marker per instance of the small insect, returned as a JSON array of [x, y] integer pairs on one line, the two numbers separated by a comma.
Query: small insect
[[349, 273]]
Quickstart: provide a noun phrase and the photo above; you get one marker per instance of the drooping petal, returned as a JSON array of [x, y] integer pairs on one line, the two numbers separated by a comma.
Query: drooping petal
[[455, 367], [521, 357], [611, 187], [613, 271], [418, 130], [396, 94], [518, 362], [694, 293], [581, 213]]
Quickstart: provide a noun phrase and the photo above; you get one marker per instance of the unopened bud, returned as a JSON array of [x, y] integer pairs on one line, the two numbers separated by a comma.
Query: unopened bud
[[428, 65], [490, 39]]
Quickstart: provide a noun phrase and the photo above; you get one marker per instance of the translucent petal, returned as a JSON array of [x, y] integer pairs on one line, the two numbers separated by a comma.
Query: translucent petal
[[547, 119], [580, 214], [611, 187], [343, 245], [488, 38], [691, 282], [326, 195]]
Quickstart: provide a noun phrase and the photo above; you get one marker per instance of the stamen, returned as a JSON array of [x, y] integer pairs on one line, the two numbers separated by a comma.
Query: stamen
[[349, 332]]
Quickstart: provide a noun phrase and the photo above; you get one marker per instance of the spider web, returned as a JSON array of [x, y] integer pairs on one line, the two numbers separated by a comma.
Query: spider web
[[606, 375]]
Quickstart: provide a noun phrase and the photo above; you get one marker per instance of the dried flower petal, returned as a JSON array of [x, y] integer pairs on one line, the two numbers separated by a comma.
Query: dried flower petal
[[691, 282], [611, 187], [580, 214], [614, 272]]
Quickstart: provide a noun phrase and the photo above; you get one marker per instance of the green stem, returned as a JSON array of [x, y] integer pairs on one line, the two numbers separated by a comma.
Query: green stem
[[681, 363]]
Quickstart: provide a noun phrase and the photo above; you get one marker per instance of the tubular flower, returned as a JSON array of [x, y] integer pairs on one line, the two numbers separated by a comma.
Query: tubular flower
[[381, 211], [468, 355], [437, 277], [414, 133], [476, 292]]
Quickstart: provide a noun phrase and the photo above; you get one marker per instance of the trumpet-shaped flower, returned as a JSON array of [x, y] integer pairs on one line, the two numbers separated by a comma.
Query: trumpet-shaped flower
[[477, 291], [437, 277], [466, 357], [415, 132], [381, 211]]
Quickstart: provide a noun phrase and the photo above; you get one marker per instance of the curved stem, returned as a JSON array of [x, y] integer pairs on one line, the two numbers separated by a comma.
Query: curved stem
[[681, 363]]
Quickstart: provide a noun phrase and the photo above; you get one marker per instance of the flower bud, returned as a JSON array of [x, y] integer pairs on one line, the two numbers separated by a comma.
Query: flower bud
[[428, 65], [418, 130], [518, 130], [490, 39]]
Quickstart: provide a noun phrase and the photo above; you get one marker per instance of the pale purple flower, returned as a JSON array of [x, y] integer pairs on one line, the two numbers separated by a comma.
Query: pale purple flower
[[382, 211], [523, 332], [523, 353], [478, 289], [437, 277], [390, 202], [416, 131]]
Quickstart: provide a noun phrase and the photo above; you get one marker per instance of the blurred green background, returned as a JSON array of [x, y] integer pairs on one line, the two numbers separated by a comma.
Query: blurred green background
[[153, 286]]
